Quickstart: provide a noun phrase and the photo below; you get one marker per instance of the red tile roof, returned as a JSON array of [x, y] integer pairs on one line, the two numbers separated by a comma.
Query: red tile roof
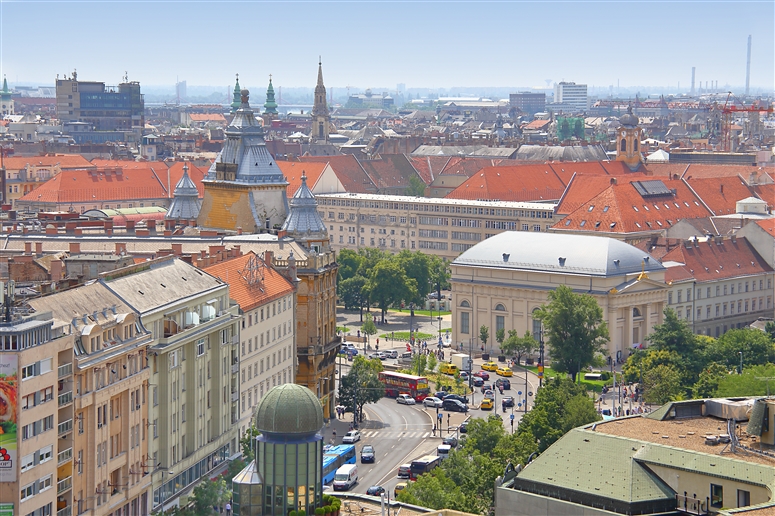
[[621, 209], [130, 164], [538, 124], [666, 170], [111, 184], [465, 166], [348, 170], [517, 183], [207, 117], [584, 187], [766, 193], [65, 161], [390, 171], [292, 170], [767, 225], [711, 260], [702, 170], [247, 295], [721, 193], [429, 167]]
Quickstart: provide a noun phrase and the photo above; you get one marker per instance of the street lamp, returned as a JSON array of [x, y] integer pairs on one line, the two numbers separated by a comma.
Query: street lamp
[[540, 339], [741, 362], [411, 324]]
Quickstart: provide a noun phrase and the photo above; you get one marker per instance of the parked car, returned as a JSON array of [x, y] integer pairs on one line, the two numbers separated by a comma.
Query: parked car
[[490, 366], [405, 354], [441, 394], [486, 404], [435, 295], [367, 453], [450, 440], [461, 399], [487, 387], [464, 376], [455, 405], [405, 399], [375, 490], [489, 393], [504, 371], [351, 437], [391, 353], [484, 375], [432, 402], [507, 401], [463, 428], [478, 382], [503, 383]]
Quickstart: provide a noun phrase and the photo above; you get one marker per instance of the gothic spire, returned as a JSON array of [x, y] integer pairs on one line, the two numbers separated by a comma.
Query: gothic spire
[[236, 99], [5, 94], [270, 106], [320, 107]]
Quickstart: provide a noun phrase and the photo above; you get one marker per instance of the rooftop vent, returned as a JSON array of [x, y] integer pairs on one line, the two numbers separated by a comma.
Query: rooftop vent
[[616, 262], [506, 257], [562, 261]]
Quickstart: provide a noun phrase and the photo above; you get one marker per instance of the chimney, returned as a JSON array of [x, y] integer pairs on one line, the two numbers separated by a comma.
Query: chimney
[[70, 226], [130, 226], [56, 270], [39, 248], [51, 229], [78, 231], [268, 258], [27, 247], [239, 230], [75, 248], [721, 186], [167, 232], [177, 249], [236, 251], [120, 248]]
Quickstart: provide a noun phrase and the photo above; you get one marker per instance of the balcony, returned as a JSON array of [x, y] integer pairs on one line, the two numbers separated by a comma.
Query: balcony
[[64, 484], [65, 398], [67, 511], [65, 427], [64, 456], [689, 505], [234, 396], [65, 370], [235, 368]]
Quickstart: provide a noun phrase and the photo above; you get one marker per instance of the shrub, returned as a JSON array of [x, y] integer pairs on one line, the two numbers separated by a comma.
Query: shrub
[[319, 511], [605, 376]]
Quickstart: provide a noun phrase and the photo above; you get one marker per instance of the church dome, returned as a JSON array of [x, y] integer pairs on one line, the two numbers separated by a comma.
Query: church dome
[[289, 409], [629, 119]]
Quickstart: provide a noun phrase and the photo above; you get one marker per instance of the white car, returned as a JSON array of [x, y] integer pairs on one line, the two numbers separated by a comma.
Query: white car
[[378, 354], [432, 402], [405, 399], [351, 437], [391, 353]]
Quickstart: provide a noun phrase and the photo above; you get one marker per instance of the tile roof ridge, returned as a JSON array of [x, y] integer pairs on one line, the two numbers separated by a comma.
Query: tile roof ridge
[[697, 196]]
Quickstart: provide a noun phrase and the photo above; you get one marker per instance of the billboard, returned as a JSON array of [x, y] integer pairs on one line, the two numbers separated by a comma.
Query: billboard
[[9, 387]]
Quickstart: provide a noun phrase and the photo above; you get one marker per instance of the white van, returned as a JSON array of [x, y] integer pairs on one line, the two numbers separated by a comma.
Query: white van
[[443, 451], [346, 477]]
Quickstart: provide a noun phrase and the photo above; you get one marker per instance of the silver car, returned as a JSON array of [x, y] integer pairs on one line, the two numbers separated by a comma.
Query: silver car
[[432, 402], [391, 353], [405, 399]]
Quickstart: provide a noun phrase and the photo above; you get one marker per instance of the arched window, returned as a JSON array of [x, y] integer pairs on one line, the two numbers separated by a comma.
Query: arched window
[[636, 145], [635, 312], [623, 145], [499, 307], [536, 326], [465, 304]]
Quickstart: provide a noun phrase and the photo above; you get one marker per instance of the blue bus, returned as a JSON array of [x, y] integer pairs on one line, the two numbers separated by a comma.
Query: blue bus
[[334, 457]]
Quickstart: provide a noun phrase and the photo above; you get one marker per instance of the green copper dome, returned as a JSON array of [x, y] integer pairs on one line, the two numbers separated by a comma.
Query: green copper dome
[[289, 409], [270, 106], [236, 101]]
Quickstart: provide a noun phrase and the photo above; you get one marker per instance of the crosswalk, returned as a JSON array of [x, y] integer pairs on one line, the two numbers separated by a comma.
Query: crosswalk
[[407, 434]]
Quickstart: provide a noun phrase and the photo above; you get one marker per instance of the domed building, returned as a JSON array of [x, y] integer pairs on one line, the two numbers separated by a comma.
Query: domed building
[[287, 472]]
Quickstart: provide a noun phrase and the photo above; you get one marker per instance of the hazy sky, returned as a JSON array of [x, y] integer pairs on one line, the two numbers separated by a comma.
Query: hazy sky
[[379, 44]]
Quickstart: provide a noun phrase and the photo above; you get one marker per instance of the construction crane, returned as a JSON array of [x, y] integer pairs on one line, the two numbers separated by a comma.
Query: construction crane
[[727, 121]]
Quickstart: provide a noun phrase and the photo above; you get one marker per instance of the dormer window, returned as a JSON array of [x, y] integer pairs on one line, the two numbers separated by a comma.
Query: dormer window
[[591, 207]]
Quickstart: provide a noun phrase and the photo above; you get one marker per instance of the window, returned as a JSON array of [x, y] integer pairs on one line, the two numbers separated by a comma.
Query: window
[[716, 495], [464, 322], [743, 498], [200, 347]]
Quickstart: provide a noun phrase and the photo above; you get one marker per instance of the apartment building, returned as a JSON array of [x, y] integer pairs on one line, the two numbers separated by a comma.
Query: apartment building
[[718, 284], [107, 108], [106, 375], [267, 304], [36, 460], [572, 94], [443, 227], [194, 389]]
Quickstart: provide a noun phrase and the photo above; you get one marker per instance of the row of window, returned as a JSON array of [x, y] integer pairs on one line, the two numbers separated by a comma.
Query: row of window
[[36, 487], [41, 456], [434, 207], [38, 427], [257, 392], [276, 360]]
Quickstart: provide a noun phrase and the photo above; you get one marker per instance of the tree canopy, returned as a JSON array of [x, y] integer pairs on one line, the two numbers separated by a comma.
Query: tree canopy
[[575, 327], [388, 284], [361, 385]]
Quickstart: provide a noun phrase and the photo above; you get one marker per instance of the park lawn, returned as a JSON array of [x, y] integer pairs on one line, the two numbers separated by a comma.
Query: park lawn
[[404, 336], [429, 313]]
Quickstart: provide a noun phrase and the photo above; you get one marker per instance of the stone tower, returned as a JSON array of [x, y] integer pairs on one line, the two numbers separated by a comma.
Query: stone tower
[[244, 187], [321, 118], [628, 140]]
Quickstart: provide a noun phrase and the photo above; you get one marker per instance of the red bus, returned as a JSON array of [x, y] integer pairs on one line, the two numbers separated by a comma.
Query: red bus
[[400, 383], [423, 465]]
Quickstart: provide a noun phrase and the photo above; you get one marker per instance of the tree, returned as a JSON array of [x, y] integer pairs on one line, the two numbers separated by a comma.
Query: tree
[[369, 328], [417, 266], [674, 334], [419, 363], [351, 291], [484, 335], [361, 385], [661, 384], [756, 346], [559, 406], [500, 336], [416, 187], [209, 493], [576, 329], [432, 362], [349, 264], [388, 284], [708, 384], [440, 272], [246, 442], [519, 346], [753, 382]]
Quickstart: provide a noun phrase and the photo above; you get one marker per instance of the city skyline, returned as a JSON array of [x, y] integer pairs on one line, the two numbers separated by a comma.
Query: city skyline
[[379, 44]]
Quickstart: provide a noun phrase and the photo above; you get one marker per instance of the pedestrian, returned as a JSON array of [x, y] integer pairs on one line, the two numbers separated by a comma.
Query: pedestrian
[[334, 434], [434, 430], [228, 509]]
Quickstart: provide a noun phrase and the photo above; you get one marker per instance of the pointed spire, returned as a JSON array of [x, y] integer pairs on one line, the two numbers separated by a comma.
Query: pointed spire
[[320, 72], [236, 99], [320, 107], [270, 106]]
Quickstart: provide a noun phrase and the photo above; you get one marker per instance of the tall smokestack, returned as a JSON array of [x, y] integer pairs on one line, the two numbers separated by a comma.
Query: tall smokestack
[[748, 67], [694, 69]]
